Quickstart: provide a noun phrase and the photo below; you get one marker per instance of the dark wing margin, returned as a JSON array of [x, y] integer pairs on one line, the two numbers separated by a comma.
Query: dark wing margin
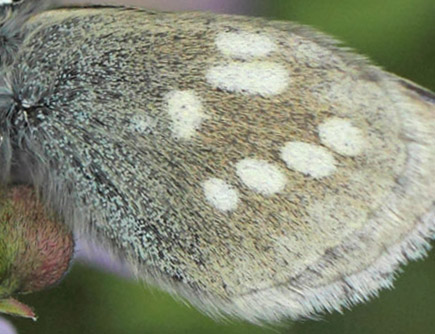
[[424, 93]]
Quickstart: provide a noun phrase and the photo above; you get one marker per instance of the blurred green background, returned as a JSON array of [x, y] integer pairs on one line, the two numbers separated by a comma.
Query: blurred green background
[[398, 35]]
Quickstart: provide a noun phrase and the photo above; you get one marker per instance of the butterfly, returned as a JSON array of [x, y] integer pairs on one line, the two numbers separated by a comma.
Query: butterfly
[[253, 167]]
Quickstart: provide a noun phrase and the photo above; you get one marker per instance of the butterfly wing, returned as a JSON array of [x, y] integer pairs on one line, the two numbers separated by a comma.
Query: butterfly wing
[[253, 167]]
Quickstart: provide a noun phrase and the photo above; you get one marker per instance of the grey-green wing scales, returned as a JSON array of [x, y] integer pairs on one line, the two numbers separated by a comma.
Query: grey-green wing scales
[[251, 166]]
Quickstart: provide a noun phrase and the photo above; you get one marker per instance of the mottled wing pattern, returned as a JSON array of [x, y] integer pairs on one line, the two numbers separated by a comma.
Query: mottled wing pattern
[[250, 166]]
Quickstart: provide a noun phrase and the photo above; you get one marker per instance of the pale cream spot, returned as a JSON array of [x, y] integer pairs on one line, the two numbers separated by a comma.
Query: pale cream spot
[[308, 159], [261, 176], [143, 124], [221, 195], [244, 45], [256, 78], [342, 137], [186, 112], [5, 2]]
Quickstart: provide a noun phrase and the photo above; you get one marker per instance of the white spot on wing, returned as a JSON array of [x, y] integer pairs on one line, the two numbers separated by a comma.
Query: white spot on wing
[[342, 137], [186, 112], [5, 2], [221, 195], [256, 78], [143, 124], [261, 176], [244, 45], [309, 159]]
